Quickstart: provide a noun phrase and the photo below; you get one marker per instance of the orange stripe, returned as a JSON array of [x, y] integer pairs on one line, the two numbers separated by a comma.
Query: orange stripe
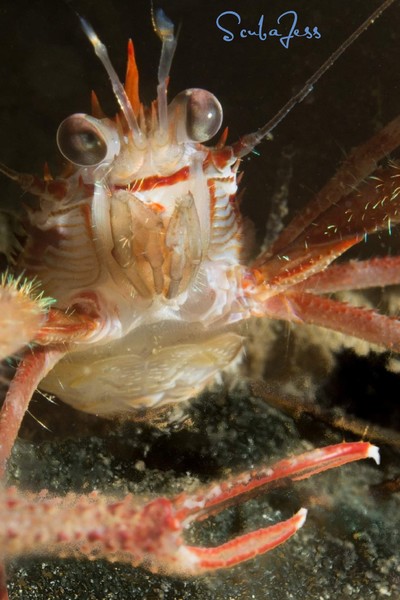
[[149, 183]]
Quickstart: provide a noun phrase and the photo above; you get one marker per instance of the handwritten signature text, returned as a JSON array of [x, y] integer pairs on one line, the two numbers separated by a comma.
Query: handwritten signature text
[[286, 30]]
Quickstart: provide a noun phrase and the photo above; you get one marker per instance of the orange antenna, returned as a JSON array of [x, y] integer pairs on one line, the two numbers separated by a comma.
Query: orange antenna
[[132, 80]]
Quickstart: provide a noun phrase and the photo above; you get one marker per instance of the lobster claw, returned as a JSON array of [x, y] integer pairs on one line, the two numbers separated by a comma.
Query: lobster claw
[[194, 560]]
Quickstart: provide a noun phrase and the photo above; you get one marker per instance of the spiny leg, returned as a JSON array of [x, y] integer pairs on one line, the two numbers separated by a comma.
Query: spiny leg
[[56, 330], [373, 207], [361, 162], [354, 275], [3, 584], [362, 323], [282, 281], [29, 374], [29, 313]]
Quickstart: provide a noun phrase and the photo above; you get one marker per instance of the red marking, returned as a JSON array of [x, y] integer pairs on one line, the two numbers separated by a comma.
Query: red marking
[[87, 188], [94, 536], [211, 189], [69, 169], [232, 200], [38, 186], [12, 502], [87, 303], [38, 242], [155, 181], [57, 189], [221, 157], [157, 208], [86, 213], [11, 533], [62, 327], [251, 279]]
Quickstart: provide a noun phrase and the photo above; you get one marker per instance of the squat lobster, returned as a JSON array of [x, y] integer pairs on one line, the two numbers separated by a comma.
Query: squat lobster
[[142, 245]]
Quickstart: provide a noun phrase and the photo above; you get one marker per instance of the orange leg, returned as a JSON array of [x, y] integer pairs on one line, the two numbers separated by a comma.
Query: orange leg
[[3, 585], [29, 374], [361, 162], [34, 321], [351, 320], [354, 275]]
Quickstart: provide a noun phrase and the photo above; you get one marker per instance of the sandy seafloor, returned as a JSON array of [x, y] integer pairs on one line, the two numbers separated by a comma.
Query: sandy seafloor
[[349, 547]]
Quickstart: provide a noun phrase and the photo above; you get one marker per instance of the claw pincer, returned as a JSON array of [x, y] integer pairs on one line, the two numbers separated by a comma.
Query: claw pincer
[[150, 534]]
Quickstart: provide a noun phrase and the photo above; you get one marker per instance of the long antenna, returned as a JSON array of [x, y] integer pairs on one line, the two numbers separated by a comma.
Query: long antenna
[[164, 28], [118, 89], [247, 142]]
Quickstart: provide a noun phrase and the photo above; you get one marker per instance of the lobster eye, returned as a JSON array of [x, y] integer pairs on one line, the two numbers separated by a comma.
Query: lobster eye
[[86, 141], [202, 114]]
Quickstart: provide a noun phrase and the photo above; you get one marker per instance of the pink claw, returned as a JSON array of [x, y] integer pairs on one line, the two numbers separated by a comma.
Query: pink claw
[[150, 533], [249, 545]]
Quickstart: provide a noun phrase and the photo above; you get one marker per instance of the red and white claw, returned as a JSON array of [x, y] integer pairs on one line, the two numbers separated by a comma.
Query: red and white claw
[[128, 530], [245, 546], [218, 496]]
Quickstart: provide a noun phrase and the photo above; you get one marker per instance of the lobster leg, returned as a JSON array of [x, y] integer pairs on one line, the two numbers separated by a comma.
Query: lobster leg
[[351, 320], [27, 318], [361, 162], [29, 373], [371, 208], [353, 275], [3, 584]]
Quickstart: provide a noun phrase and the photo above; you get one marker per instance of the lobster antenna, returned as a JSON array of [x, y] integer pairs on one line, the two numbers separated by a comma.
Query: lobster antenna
[[164, 28], [118, 88], [249, 141]]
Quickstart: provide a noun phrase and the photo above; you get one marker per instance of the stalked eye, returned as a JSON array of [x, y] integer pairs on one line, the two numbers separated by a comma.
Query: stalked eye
[[86, 141], [198, 114]]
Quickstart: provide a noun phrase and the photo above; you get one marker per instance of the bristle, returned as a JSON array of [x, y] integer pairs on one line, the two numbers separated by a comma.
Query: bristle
[[29, 288], [23, 309], [132, 80]]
